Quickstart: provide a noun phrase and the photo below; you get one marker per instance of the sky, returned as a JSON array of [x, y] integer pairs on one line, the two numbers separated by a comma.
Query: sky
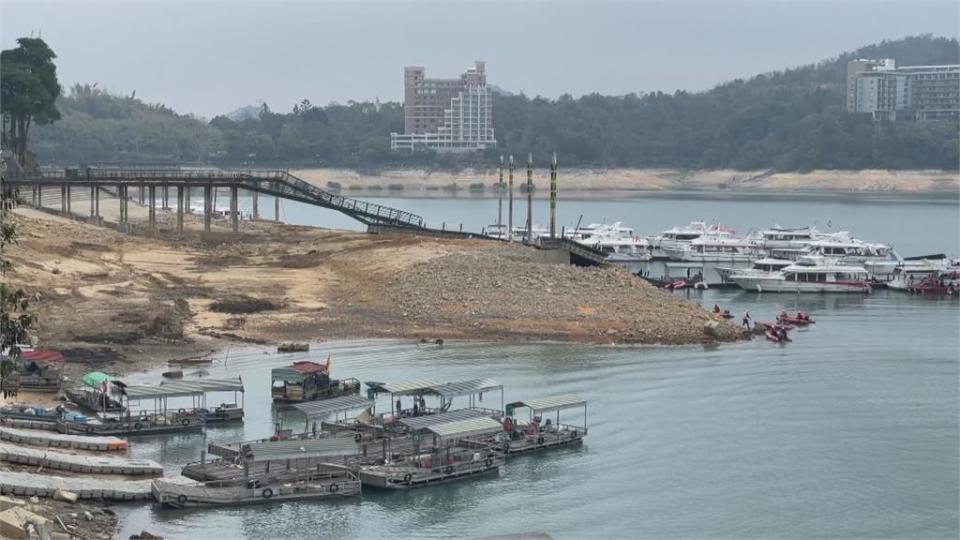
[[210, 57]]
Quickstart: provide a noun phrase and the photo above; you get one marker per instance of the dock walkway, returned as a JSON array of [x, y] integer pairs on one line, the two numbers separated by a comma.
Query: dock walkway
[[27, 485], [60, 440], [79, 463]]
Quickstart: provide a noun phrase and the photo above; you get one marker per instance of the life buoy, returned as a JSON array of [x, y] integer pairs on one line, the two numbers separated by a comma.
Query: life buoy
[[334, 488], [488, 462], [540, 439], [267, 493], [358, 437], [573, 434], [448, 469], [407, 478], [185, 422], [137, 426], [182, 499]]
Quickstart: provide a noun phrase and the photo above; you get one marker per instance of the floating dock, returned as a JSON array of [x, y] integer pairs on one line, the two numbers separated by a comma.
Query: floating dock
[[61, 440], [79, 463], [27, 485]]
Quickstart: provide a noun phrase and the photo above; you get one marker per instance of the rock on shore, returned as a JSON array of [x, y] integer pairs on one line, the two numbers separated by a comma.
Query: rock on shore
[[506, 292]]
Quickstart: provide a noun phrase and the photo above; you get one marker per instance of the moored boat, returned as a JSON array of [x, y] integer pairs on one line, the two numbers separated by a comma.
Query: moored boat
[[538, 432], [308, 381], [809, 274]]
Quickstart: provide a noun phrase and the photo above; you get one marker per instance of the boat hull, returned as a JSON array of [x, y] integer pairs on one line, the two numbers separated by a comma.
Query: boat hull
[[780, 285], [411, 478]]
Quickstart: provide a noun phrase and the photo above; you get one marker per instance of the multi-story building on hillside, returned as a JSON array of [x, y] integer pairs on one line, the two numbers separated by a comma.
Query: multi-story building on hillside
[[447, 115], [887, 92]]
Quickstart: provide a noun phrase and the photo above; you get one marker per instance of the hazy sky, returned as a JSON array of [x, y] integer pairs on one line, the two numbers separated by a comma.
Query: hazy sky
[[210, 57]]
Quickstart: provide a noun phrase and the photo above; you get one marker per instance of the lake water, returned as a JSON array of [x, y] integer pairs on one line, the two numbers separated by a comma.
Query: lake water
[[850, 431]]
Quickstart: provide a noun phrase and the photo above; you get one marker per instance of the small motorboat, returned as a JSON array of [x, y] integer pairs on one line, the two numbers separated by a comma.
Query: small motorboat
[[175, 374], [778, 337], [726, 314], [798, 320], [293, 347]]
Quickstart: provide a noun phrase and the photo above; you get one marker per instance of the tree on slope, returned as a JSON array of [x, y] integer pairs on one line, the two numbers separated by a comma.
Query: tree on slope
[[28, 92]]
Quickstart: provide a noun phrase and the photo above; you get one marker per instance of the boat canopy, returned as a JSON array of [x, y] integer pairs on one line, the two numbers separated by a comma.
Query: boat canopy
[[42, 356], [404, 388], [213, 385], [302, 448], [422, 422], [296, 372], [465, 428], [171, 389], [326, 407], [465, 388], [549, 404], [95, 379]]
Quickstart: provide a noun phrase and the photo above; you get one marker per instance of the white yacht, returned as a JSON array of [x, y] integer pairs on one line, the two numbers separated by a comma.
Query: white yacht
[[496, 230], [809, 274], [712, 248], [778, 237], [910, 273], [680, 236], [616, 241], [851, 250], [760, 267]]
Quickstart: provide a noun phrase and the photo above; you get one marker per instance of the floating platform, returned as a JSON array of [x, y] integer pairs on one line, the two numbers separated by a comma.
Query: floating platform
[[28, 484], [322, 482], [79, 463], [61, 440], [407, 477]]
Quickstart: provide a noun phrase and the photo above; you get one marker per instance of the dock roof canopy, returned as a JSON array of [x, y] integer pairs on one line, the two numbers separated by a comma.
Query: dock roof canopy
[[465, 388], [403, 388], [297, 371], [302, 448], [171, 389], [466, 428], [422, 422], [214, 385], [96, 378], [551, 403], [326, 407]]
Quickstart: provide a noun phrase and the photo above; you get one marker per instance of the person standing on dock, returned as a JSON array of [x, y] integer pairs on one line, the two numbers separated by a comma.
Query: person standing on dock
[[399, 406], [746, 320]]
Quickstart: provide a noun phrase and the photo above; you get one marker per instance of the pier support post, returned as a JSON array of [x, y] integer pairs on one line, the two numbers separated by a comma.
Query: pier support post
[[234, 209], [276, 202], [63, 199], [500, 198], [553, 197], [153, 208], [256, 207], [141, 194], [93, 194], [179, 209], [166, 197], [39, 196], [96, 201], [124, 209], [33, 196], [207, 207], [510, 203], [186, 199], [530, 198]]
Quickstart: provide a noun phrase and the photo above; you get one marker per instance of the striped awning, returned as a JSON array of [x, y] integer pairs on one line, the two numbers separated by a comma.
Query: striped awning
[[422, 422], [466, 428], [326, 407], [215, 385], [551, 403], [170, 389], [404, 388]]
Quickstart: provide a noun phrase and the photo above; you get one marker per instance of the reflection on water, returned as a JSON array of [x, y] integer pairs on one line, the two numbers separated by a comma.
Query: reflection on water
[[850, 431]]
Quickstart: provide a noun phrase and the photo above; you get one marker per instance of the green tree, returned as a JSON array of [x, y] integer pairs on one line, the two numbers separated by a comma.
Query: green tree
[[28, 91], [15, 318]]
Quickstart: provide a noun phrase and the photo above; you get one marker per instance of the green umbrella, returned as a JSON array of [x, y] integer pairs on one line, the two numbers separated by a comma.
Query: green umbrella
[[95, 379]]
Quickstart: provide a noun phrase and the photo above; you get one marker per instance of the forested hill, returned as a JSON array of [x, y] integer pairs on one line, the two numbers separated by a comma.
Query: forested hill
[[788, 120]]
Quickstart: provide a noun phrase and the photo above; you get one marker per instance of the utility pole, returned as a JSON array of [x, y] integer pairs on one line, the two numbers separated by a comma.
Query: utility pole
[[510, 197], [500, 199], [553, 197], [530, 198]]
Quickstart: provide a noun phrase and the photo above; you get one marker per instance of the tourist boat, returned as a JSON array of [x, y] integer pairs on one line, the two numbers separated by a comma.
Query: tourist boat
[[293, 347], [712, 248], [308, 381], [537, 432], [436, 454], [36, 371], [945, 282], [760, 267], [809, 274], [498, 231], [677, 237], [778, 237], [849, 250], [317, 482]]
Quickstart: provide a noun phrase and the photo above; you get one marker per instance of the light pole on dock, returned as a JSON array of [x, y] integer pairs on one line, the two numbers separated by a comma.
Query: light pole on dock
[[530, 198], [553, 197], [500, 198], [510, 209]]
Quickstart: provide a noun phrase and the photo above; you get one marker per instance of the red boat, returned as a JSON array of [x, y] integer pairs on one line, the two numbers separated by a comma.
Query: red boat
[[795, 321], [778, 338]]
